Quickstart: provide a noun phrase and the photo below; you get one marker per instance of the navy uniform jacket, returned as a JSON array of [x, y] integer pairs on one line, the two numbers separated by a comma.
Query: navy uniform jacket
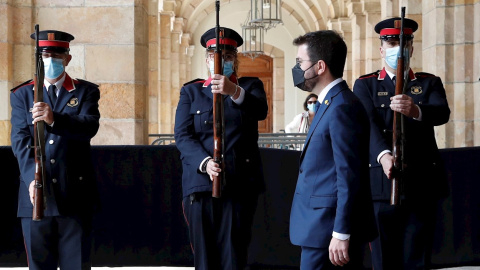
[[194, 135], [424, 177], [333, 191], [70, 186]]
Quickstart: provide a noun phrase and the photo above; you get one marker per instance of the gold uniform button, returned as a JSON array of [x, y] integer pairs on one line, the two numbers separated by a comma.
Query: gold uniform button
[[80, 178], [383, 105], [51, 141], [198, 112], [52, 161], [54, 180]]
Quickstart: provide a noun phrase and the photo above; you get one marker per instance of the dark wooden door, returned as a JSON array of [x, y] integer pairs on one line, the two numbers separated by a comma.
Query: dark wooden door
[[261, 67]]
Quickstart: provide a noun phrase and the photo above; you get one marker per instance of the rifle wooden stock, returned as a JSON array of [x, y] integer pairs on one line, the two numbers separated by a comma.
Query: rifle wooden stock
[[218, 118], [398, 139], [39, 137]]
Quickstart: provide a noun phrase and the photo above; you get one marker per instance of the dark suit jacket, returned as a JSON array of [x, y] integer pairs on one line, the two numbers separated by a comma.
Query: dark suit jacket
[[333, 191], [425, 175], [70, 186], [194, 135]]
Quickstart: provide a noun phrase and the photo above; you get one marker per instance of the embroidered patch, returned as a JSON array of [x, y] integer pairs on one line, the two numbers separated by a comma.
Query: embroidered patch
[[73, 102], [381, 94], [416, 90]]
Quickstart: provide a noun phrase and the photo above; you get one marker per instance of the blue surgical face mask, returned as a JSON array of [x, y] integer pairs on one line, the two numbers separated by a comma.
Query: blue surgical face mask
[[311, 107], [391, 56], [53, 67], [227, 68]]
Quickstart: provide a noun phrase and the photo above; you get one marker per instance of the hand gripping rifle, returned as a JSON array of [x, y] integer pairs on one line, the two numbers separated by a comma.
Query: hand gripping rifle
[[218, 118], [398, 118], [39, 136]]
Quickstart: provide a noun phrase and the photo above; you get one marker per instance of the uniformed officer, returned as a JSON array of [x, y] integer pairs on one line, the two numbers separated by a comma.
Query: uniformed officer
[[405, 232], [70, 111], [220, 229]]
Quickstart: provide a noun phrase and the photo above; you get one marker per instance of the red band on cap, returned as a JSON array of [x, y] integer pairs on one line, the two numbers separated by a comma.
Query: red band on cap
[[395, 31], [223, 41], [56, 43]]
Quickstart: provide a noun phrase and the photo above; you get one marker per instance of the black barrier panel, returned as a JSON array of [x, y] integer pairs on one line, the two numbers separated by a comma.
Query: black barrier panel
[[141, 222]]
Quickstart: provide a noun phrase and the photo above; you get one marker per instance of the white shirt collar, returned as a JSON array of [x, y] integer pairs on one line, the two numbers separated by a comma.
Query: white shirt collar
[[58, 83], [325, 90], [390, 74]]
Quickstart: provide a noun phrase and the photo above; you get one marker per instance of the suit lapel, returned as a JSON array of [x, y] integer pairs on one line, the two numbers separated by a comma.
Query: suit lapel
[[63, 98], [207, 90], [327, 102], [66, 94]]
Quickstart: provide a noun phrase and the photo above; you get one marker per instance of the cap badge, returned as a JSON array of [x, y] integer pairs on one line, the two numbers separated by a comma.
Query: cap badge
[[416, 90], [51, 36], [73, 102]]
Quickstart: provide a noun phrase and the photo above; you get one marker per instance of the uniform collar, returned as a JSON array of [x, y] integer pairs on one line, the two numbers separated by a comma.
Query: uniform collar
[[384, 73], [67, 83]]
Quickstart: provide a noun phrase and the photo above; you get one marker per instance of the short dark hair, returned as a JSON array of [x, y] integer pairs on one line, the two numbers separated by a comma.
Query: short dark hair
[[326, 45], [306, 100]]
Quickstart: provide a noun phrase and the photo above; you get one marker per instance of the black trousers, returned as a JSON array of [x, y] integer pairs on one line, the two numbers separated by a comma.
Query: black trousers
[[405, 235], [58, 241], [219, 229]]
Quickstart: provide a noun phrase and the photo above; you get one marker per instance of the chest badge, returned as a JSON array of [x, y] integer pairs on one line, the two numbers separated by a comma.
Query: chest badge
[[382, 94], [73, 102], [416, 90]]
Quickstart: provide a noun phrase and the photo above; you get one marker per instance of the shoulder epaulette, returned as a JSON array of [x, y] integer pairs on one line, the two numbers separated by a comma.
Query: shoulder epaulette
[[424, 74], [87, 82], [373, 74], [194, 81], [20, 85]]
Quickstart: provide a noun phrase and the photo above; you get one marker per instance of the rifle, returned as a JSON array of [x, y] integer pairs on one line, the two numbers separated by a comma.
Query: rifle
[[398, 118], [39, 136], [218, 119]]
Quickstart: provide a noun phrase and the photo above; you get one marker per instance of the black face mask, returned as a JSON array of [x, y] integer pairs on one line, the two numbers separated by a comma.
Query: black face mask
[[299, 76]]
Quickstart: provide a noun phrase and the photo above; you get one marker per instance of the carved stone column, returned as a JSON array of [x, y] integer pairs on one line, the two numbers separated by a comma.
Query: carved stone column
[[166, 26], [452, 51]]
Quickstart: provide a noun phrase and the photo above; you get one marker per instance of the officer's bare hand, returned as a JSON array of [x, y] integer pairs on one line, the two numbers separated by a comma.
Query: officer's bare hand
[[338, 252], [222, 85], [404, 105], [31, 189], [387, 162], [42, 112], [213, 169]]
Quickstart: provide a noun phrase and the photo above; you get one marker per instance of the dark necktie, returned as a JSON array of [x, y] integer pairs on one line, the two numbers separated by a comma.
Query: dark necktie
[[52, 94], [394, 80]]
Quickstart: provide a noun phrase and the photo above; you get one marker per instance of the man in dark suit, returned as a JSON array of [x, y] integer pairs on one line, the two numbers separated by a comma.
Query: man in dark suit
[[332, 214], [70, 112], [405, 231], [220, 228]]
